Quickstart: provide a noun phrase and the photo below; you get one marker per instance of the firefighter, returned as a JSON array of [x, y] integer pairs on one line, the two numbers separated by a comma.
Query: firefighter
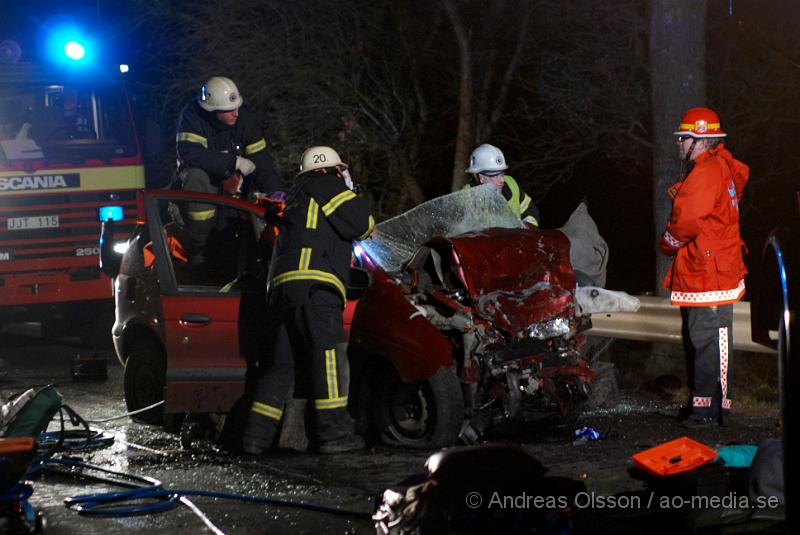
[[306, 294], [221, 149], [706, 275], [487, 165]]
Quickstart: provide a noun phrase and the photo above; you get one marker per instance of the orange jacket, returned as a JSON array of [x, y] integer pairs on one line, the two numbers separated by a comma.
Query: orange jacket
[[703, 232], [175, 247]]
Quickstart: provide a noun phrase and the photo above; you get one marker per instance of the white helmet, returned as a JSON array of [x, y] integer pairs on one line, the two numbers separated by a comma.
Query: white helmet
[[486, 158], [220, 94], [319, 158]]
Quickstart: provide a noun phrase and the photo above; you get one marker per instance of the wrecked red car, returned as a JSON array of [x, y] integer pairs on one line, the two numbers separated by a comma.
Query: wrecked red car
[[469, 319]]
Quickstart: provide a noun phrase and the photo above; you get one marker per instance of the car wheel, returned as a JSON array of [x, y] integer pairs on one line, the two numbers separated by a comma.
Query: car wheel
[[144, 378], [424, 414]]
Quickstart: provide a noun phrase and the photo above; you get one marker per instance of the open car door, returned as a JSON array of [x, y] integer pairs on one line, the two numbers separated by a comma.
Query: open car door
[[208, 279]]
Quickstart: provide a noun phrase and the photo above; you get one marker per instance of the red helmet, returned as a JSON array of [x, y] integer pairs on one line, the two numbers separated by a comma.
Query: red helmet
[[700, 123]]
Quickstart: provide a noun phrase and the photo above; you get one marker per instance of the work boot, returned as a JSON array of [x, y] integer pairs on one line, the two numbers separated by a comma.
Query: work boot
[[679, 414], [698, 422], [340, 445], [253, 447], [196, 427], [260, 434], [724, 419], [252, 444]]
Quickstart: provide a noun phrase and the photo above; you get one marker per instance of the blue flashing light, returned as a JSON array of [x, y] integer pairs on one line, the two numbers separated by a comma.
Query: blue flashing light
[[74, 50], [114, 213], [124, 68], [68, 44]]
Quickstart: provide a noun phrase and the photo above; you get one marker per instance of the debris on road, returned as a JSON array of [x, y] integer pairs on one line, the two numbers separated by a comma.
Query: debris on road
[[587, 434]]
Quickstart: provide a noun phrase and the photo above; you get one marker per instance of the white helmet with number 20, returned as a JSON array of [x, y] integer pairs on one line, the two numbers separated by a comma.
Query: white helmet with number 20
[[319, 157]]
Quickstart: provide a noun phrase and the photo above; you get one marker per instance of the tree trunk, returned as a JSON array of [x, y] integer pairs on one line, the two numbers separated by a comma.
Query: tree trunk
[[411, 189], [465, 136], [492, 106], [677, 83]]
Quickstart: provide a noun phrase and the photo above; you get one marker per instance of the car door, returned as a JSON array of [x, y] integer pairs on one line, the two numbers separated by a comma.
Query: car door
[[203, 272]]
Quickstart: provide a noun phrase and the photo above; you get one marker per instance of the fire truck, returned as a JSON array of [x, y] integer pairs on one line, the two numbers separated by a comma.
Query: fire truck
[[69, 159]]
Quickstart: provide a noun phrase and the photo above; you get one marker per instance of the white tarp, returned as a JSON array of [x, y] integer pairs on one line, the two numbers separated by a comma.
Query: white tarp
[[588, 251], [592, 300]]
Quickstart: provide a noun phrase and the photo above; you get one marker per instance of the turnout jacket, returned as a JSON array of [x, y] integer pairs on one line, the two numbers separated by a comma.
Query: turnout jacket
[[205, 143], [314, 247], [703, 232]]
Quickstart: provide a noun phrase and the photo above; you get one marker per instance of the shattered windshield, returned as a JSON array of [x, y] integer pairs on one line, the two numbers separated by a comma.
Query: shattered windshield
[[464, 211]]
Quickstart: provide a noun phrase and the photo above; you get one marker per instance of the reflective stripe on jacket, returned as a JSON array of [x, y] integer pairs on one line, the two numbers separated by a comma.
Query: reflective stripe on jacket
[[205, 143], [320, 222], [519, 201], [703, 232]]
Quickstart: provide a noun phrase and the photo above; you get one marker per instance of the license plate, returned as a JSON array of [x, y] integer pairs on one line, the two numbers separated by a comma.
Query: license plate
[[26, 223]]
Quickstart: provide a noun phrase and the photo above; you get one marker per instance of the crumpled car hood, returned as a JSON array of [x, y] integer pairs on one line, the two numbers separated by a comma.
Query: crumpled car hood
[[513, 260], [514, 312], [517, 276]]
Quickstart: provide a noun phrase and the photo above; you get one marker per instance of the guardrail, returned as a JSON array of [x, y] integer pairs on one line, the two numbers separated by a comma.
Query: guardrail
[[658, 321]]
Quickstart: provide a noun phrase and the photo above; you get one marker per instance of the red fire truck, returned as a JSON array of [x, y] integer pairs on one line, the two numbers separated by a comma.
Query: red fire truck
[[69, 159]]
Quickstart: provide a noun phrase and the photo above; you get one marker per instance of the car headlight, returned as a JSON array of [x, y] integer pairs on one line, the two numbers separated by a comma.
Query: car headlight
[[549, 329]]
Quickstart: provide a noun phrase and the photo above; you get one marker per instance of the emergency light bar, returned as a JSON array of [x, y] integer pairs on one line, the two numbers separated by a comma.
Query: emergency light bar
[[114, 213]]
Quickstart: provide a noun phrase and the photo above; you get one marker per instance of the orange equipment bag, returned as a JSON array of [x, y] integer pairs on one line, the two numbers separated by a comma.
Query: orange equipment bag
[[674, 457]]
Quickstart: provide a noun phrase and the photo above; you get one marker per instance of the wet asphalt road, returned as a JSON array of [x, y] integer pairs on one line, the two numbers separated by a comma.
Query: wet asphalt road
[[349, 481]]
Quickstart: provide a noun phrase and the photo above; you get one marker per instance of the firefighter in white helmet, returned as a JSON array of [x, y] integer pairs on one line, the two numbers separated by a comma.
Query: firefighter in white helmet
[[306, 295], [487, 165], [221, 149]]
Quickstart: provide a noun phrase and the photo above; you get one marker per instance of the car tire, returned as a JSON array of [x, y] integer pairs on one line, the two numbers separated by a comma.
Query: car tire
[[425, 414], [144, 380]]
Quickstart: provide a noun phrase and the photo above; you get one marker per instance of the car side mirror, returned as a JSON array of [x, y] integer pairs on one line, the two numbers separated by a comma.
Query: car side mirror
[[360, 280], [110, 260]]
